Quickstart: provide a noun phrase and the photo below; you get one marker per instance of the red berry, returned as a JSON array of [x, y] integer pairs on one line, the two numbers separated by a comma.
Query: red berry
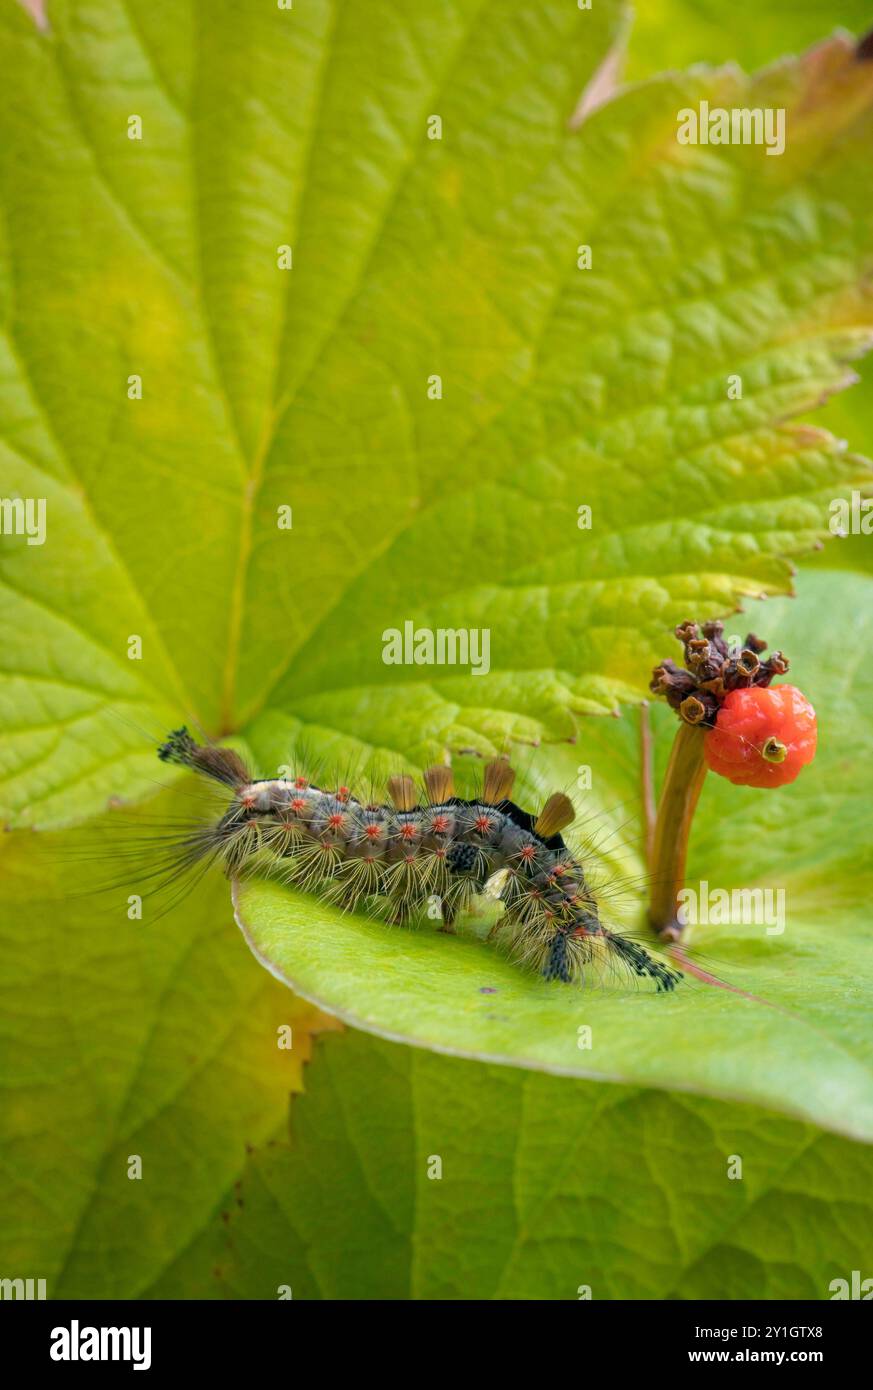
[[763, 736]]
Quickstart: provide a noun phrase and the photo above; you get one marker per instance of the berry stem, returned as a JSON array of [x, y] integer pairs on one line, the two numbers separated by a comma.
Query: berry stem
[[686, 771], [647, 779]]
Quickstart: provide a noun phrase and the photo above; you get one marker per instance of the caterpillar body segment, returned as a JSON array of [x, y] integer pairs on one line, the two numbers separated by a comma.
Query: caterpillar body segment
[[423, 844]]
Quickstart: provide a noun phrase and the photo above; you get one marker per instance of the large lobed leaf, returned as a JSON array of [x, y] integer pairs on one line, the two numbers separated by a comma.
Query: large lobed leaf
[[308, 388]]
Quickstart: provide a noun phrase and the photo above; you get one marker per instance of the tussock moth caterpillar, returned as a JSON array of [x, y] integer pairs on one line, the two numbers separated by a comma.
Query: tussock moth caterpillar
[[423, 843]]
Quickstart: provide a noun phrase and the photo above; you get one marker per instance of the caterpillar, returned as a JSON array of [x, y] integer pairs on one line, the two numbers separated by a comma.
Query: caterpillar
[[423, 844]]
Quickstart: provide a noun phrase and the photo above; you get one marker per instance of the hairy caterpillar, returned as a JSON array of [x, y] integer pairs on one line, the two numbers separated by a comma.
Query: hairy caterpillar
[[423, 845]]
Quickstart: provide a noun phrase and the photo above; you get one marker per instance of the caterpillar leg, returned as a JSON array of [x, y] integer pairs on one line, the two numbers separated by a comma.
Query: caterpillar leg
[[575, 952], [642, 964], [557, 965], [567, 943]]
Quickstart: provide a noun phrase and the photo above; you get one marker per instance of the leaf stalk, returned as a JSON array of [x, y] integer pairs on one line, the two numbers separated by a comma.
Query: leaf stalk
[[683, 783]]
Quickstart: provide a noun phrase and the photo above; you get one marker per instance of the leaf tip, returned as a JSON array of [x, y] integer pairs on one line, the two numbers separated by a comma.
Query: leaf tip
[[37, 9]]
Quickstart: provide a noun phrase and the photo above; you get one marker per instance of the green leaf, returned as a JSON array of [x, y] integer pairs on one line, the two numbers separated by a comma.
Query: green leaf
[[677, 33], [671, 33], [124, 1038], [802, 1046], [307, 388], [544, 1186]]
